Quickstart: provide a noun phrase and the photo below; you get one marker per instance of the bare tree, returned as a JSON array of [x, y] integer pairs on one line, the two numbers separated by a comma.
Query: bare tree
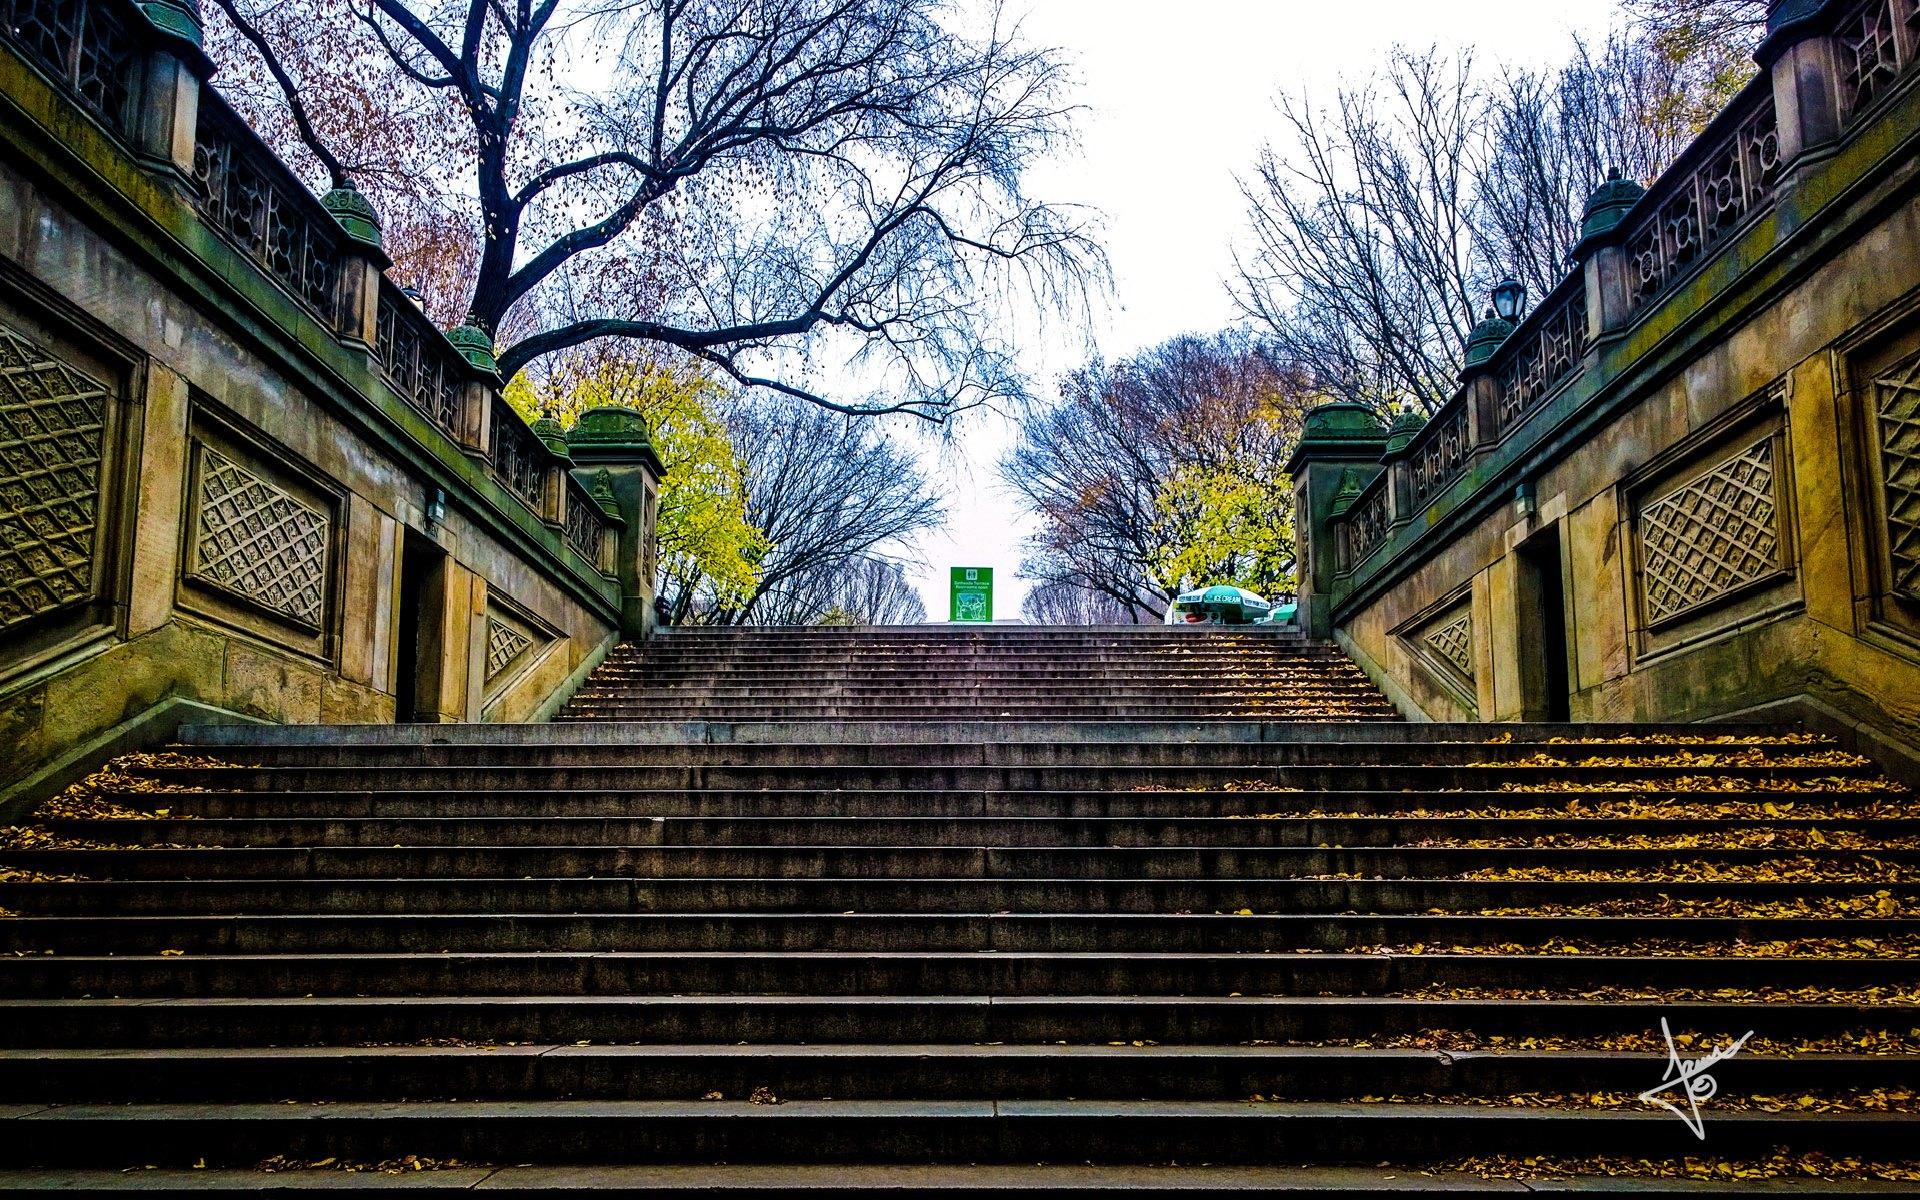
[[1362, 264], [827, 491], [1103, 468], [762, 184], [1061, 603], [1707, 44], [1555, 136], [866, 591]]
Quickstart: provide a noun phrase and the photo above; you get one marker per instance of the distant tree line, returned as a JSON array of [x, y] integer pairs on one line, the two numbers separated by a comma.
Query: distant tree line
[[1380, 219], [773, 511], [1378, 222]]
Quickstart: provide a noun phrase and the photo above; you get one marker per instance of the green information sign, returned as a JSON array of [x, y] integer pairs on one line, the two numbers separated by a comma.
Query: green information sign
[[971, 590]]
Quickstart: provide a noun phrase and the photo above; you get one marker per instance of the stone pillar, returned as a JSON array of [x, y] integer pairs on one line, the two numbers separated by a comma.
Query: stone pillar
[[1603, 258], [170, 95], [475, 345], [1477, 381], [1798, 56], [614, 453], [357, 310], [1399, 464], [1335, 439], [557, 497]]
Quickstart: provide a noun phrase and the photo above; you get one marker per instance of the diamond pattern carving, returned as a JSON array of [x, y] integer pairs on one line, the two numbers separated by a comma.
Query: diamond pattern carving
[[504, 644], [52, 430], [1711, 535], [1897, 401], [257, 541], [1452, 641]]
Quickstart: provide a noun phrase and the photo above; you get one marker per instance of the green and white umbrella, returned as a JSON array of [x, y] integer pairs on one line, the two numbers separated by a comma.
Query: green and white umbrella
[[1224, 603]]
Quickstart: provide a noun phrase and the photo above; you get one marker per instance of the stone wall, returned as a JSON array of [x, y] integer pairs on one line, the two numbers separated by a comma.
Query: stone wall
[[1687, 484], [242, 477]]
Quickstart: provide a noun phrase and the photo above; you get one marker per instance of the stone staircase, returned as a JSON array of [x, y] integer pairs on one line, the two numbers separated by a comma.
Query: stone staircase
[[996, 673], [816, 922]]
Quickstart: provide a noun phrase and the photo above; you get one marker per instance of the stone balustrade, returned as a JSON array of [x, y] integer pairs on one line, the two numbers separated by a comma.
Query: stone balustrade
[[1691, 470], [242, 475]]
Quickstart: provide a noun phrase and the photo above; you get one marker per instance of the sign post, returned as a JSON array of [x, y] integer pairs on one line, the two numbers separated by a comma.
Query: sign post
[[971, 591]]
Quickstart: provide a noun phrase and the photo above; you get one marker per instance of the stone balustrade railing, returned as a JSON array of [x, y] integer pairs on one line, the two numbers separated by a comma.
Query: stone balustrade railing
[[107, 56], [1367, 523], [1828, 67], [587, 525], [262, 207], [1546, 350], [418, 360], [92, 48]]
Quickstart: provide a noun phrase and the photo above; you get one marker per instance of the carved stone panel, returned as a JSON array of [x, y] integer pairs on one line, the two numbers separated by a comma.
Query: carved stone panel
[[1441, 642], [1896, 400], [514, 638], [505, 643], [53, 421], [1452, 640], [260, 542], [1712, 535]]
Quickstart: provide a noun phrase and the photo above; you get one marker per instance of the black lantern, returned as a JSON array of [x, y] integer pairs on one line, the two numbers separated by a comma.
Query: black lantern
[[1509, 299]]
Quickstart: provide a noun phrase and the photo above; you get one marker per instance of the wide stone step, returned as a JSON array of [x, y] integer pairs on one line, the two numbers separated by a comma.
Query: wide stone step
[[878, 862], [1356, 750], [923, 972], [898, 1071], [1388, 817], [1408, 838], [1257, 933], [1404, 776], [1084, 1181], [880, 707], [765, 1018], [154, 897], [902, 1131]]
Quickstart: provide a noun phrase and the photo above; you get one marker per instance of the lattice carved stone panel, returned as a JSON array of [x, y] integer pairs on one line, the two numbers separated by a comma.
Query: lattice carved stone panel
[[1714, 534], [1896, 396], [1451, 640], [260, 542], [505, 644], [52, 439]]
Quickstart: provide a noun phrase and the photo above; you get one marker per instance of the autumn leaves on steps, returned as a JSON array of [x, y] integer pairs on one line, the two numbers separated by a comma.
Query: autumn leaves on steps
[[966, 947]]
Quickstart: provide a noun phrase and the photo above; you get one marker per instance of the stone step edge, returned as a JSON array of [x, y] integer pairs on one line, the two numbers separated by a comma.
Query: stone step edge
[[982, 731]]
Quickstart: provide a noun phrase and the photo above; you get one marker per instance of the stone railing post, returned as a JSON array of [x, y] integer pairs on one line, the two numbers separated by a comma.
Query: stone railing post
[[613, 453], [170, 87], [1603, 258], [474, 430], [1798, 56], [357, 311], [1477, 381], [1335, 439], [1399, 463], [553, 505]]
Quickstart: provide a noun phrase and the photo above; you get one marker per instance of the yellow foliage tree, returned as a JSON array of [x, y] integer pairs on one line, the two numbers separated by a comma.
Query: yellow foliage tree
[[1219, 523], [706, 542]]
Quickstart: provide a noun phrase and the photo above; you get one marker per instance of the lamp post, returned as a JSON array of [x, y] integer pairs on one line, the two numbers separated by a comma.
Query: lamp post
[[1509, 299]]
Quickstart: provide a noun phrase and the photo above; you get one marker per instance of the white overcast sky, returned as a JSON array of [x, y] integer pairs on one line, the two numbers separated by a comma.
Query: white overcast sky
[[1179, 98]]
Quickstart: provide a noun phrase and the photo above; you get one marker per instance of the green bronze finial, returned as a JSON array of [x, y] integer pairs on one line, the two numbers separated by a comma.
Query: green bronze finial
[[177, 19], [1608, 206], [1486, 338], [548, 430], [602, 493], [1406, 426], [1349, 492], [355, 214], [474, 343]]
